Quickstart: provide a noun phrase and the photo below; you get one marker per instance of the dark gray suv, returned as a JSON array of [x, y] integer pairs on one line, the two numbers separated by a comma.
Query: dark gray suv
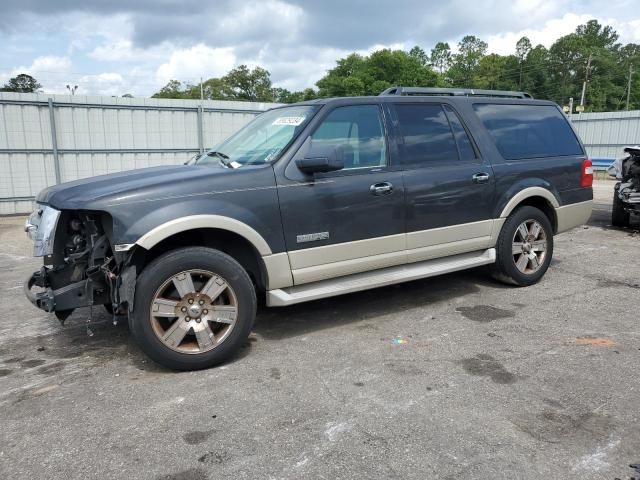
[[309, 201]]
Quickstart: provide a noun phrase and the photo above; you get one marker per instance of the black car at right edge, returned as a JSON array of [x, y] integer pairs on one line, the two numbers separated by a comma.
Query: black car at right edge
[[309, 201]]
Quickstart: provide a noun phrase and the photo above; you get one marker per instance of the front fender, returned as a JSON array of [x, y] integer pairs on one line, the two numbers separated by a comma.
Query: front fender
[[149, 223]]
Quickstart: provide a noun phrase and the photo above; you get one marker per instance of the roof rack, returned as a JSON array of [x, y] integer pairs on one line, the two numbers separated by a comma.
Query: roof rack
[[462, 92]]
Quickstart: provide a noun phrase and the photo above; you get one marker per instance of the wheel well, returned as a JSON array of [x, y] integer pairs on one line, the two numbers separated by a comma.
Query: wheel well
[[542, 204], [228, 242]]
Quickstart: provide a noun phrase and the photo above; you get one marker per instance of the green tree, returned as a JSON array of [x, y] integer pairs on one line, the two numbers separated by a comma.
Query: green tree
[[22, 83], [441, 56], [419, 54], [470, 51], [568, 66], [535, 77], [523, 47], [250, 85], [173, 89], [358, 75], [282, 95], [490, 73]]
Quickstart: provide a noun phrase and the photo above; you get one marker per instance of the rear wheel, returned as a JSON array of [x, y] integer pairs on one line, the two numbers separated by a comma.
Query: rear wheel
[[524, 247], [619, 216], [194, 307]]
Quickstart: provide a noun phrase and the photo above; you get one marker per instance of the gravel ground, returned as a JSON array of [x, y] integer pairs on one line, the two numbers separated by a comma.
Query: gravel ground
[[450, 377]]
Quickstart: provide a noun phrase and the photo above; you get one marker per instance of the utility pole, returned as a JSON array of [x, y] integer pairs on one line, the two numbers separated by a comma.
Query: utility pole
[[570, 108], [586, 79], [201, 91], [629, 85]]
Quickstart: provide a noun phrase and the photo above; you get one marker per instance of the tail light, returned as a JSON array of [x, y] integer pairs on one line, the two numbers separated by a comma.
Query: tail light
[[586, 176]]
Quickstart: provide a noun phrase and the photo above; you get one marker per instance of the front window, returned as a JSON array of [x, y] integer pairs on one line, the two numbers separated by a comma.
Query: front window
[[262, 140], [358, 129]]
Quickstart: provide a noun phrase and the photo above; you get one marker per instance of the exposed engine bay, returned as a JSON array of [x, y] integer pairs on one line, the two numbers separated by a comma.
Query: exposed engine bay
[[80, 268], [626, 199]]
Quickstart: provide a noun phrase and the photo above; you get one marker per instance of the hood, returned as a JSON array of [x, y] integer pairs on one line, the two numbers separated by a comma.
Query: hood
[[147, 184]]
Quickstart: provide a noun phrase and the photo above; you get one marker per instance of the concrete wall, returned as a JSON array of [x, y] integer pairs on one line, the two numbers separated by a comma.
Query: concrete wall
[[97, 135]]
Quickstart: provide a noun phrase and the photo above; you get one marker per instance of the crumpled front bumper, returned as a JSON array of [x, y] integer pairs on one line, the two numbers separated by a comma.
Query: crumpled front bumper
[[43, 300], [84, 293]]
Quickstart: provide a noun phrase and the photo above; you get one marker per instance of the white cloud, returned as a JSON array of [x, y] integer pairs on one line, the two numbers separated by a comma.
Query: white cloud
[[49, 70], [83, 28], [190, 64], [110, 83], [136, 47], [629, 30], [505, 43]]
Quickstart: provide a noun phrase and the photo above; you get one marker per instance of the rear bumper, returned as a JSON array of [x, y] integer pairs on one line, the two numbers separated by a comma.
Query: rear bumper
[[573, 215]]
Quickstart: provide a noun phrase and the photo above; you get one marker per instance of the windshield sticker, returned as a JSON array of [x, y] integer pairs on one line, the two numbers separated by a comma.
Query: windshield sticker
[[293, 121]]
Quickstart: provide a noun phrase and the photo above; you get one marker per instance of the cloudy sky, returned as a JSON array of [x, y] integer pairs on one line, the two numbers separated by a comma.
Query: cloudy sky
[[112, 47]]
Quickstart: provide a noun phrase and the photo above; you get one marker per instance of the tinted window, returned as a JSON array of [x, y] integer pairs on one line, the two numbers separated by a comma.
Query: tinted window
[[357, 128], [425, 134], [528, 131], [462, 139]]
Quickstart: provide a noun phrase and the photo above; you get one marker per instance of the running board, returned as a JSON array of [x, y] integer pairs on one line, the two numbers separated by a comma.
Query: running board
[[378, 278]]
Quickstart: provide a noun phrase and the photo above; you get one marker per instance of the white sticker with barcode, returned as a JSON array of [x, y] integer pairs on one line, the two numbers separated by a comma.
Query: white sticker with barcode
[[294, 121]]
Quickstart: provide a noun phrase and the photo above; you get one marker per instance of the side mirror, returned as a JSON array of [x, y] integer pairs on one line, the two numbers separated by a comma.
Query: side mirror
[[323, 160]]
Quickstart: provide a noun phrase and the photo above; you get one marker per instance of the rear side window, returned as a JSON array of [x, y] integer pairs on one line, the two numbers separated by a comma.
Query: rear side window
[[425, 134], [528, 131]]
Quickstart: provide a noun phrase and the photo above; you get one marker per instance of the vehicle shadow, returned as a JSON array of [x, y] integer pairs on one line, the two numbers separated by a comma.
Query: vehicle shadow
[[285, 322], [601, 217]]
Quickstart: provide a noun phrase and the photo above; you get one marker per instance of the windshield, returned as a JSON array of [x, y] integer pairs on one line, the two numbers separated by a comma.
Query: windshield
[[262, 140]]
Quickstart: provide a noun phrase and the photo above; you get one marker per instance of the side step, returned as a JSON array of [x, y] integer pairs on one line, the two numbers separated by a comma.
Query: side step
[[378, 278]]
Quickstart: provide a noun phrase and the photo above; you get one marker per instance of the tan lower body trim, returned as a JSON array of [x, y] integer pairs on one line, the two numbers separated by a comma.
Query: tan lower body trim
[[321, 263], [573, 215], [446, 249], [348, 267], [330, 261], [342, 252], [278, 271], [378, 278], [454, 233]]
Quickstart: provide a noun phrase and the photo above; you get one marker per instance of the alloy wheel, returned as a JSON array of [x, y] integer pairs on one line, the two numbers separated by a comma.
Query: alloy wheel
[[529, 246], [194, 311]]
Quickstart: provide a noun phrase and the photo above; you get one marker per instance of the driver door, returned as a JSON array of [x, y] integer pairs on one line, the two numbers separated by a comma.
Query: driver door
[[351, 220]]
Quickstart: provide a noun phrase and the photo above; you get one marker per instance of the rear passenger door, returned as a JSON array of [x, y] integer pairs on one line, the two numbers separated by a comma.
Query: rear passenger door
[[449, 189]]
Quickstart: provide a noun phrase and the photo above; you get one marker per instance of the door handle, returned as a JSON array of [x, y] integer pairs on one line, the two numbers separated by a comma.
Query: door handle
[[480, 178], [383, 188]]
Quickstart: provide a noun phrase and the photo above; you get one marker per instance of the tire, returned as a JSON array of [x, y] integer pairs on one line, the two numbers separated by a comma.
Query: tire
[[507, 267], [206, 310], [619, 216]]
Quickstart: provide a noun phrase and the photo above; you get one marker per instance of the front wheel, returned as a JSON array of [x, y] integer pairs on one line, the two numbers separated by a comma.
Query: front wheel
[[524, 247], [194, 307]]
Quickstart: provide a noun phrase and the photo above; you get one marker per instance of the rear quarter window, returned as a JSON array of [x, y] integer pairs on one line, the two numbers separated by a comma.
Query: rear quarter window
[[528, 131]]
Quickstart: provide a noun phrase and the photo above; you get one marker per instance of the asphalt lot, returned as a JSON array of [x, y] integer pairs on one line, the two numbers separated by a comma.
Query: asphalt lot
[[452, 377]]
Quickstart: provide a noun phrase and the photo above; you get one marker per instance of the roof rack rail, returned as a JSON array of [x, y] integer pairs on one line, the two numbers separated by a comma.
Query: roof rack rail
[[462, 92]]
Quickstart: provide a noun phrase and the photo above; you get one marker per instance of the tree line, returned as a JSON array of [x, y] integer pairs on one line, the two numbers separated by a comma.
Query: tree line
[[556, 73], [591, 53]]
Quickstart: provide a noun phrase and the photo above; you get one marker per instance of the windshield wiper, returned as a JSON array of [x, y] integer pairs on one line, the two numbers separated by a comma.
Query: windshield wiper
[[224, 159]]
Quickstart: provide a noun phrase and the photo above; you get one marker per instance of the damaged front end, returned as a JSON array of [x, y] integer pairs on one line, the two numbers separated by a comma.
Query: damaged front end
[[627, 170], [80, 267]]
